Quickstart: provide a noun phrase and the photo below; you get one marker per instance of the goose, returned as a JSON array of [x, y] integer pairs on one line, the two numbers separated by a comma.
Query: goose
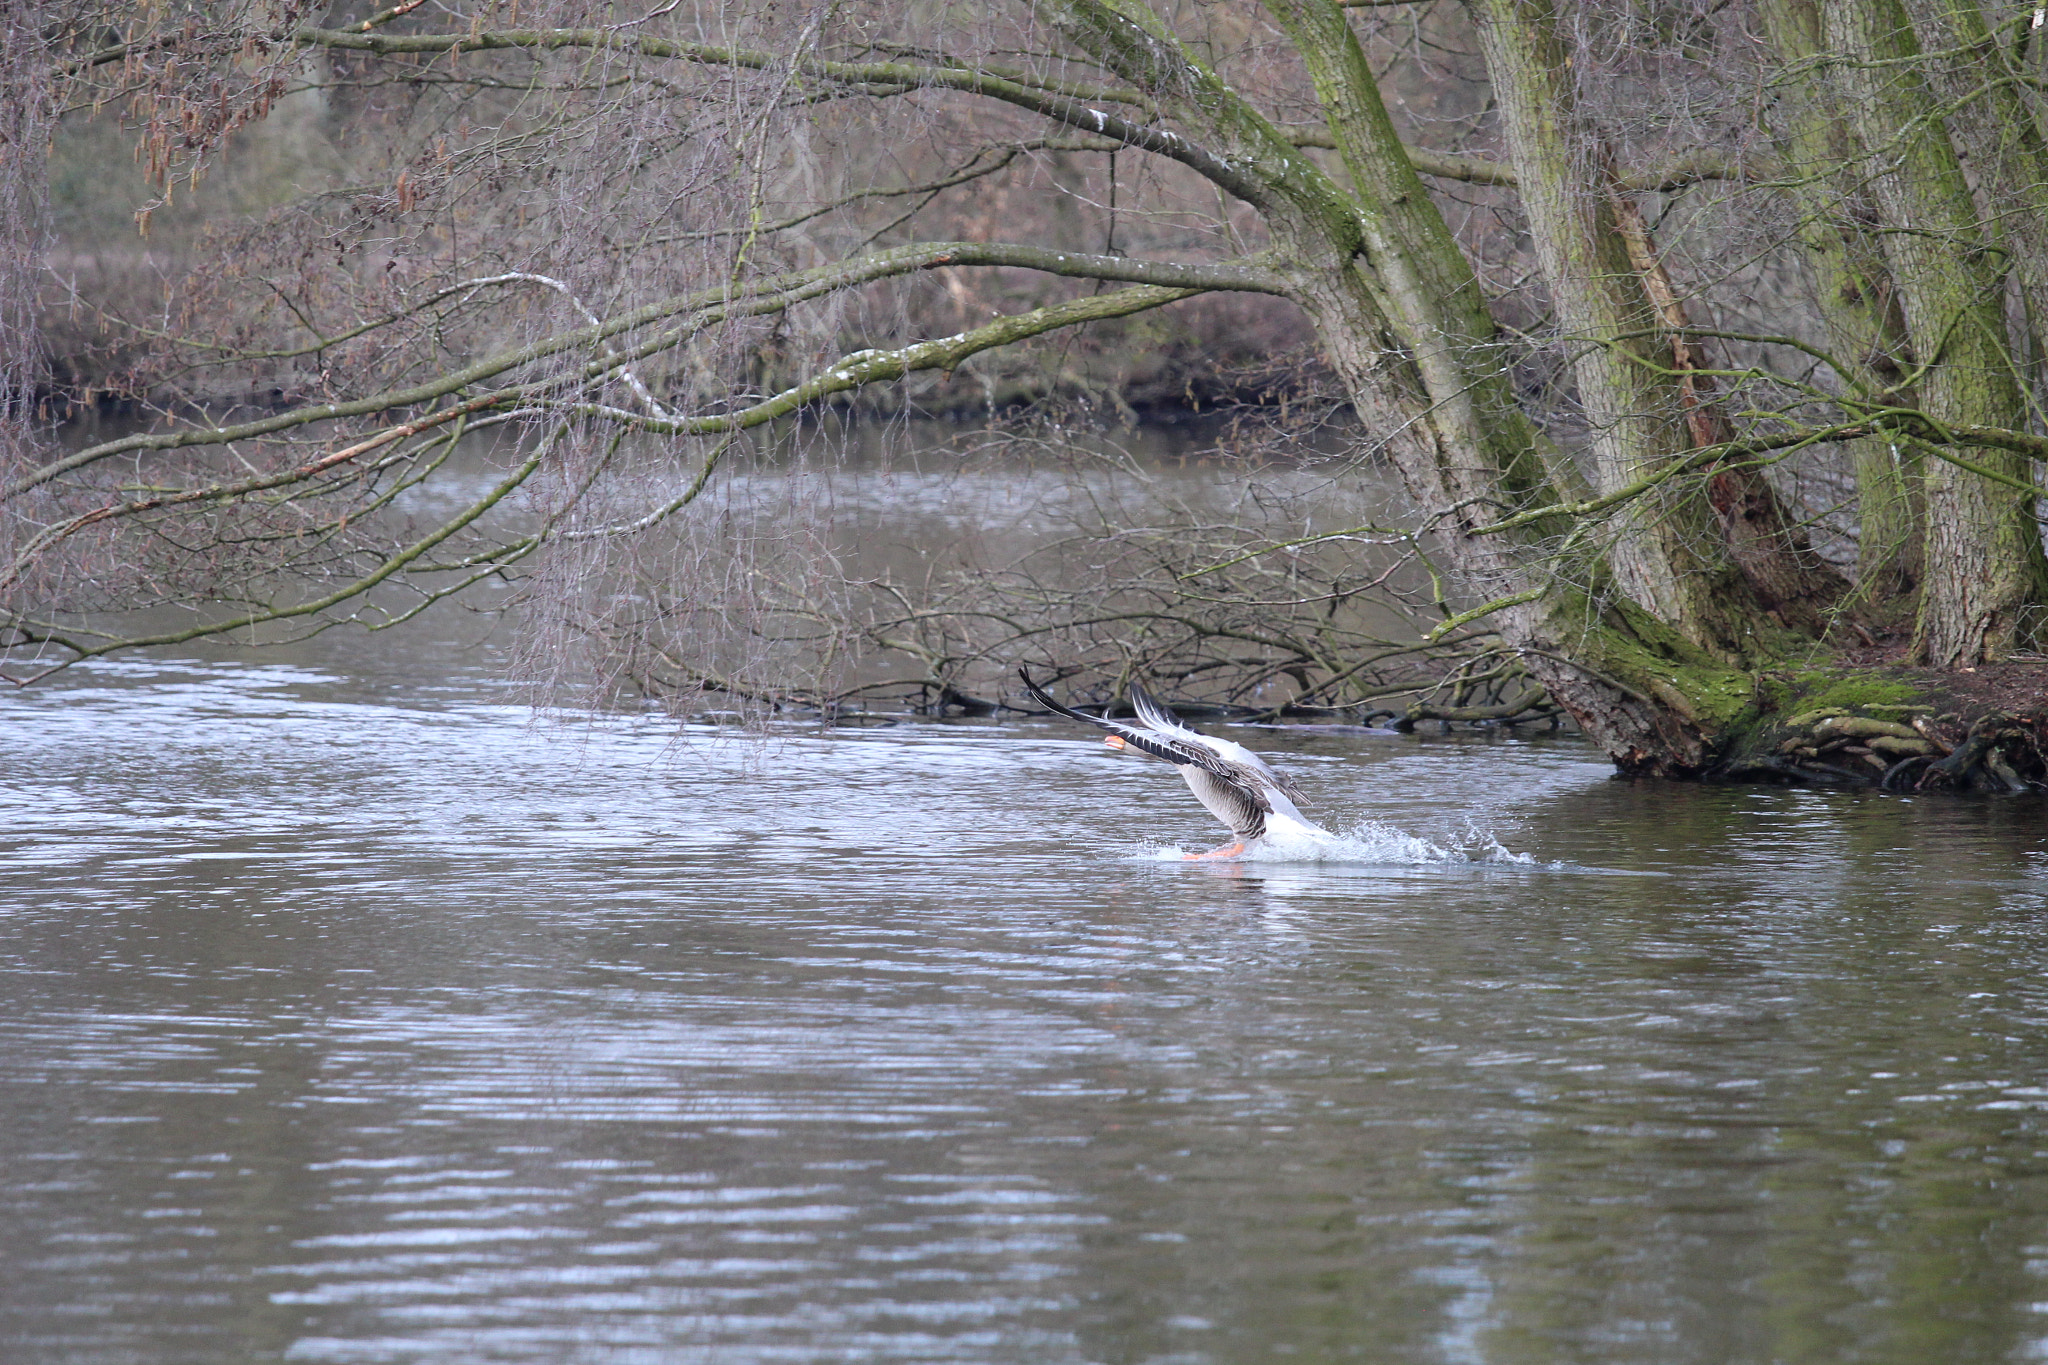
[[1238, 787]]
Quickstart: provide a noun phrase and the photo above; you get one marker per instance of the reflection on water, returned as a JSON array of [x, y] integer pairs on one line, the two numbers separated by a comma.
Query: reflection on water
[[357, 1022]]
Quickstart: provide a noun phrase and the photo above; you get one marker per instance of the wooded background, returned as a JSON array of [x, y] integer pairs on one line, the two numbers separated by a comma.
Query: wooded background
[[1664, 352]]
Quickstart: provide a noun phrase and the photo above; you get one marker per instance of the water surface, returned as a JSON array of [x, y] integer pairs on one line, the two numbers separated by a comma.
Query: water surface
[[351, 1015]]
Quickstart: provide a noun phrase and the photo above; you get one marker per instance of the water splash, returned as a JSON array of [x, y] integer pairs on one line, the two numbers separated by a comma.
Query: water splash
[[1369, 842]]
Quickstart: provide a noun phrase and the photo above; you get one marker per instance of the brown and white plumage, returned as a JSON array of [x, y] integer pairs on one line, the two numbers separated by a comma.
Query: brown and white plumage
[[1237, 786]]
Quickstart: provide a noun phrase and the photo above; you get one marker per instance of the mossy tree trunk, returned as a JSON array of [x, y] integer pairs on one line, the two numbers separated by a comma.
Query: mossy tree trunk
[[1713, 555], [1978, 74], [1633, 414], [1404, 322]]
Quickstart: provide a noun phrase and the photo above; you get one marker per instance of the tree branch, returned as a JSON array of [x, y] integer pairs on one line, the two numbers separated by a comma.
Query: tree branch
[[869, 367], [1066, 109], [710, 306], [1687, 168], [380, 574]]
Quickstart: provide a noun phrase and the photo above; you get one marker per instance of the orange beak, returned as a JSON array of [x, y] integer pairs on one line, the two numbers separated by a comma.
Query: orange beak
[[1114, 742]]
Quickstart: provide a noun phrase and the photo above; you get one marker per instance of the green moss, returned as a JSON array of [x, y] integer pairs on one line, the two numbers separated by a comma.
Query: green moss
[[1790, 703], [1741, 716], [1651, 658], [1820, 692]]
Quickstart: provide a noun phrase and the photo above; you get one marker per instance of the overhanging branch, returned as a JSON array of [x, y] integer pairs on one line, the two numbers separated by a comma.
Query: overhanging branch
[[877, 366], [702, 308], [1063, 108]]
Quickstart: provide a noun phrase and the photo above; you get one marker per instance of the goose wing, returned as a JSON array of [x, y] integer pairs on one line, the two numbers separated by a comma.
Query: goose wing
[[1177, 745], [1239, 763], [1157, 717]]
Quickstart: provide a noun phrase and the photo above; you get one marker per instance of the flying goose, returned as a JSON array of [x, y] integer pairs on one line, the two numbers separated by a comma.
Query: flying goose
[[1237, 786]]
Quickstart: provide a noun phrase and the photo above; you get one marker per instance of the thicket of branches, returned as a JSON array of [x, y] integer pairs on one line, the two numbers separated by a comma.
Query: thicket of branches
[[555, 297]]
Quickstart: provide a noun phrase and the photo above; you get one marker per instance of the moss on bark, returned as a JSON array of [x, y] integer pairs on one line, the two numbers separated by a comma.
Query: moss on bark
[[1901, 729]]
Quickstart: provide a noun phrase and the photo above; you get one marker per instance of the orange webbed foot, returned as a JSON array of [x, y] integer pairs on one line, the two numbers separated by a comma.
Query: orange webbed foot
[[1227, 851]]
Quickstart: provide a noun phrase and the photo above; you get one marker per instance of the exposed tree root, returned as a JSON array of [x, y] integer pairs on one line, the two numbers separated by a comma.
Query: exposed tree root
[[1997, 753]]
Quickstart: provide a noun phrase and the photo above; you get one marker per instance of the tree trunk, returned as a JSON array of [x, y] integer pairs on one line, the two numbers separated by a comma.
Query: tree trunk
[[1996, 137], [1856, 299], [1980, 534], [1641, 689], [1673, 551]]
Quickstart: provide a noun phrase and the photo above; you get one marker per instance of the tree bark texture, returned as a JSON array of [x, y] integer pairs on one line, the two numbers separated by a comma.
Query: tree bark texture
[[1854, 296], [1981, 532], [1715, 559], [1998, 141]]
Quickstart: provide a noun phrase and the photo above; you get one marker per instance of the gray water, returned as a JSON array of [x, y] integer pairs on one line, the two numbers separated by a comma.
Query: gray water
[[349, 1014]]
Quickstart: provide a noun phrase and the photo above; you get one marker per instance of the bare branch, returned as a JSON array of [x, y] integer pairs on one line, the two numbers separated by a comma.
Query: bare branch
[[706, 307]]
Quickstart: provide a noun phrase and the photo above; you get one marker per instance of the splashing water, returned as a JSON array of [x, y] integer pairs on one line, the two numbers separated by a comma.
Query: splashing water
[[1367, 842]]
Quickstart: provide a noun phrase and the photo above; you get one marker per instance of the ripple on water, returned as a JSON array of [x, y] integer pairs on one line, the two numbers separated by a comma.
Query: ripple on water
[[351, 1026]]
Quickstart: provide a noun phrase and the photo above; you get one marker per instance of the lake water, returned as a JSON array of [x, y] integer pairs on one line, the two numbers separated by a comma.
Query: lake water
[[352, 1015]]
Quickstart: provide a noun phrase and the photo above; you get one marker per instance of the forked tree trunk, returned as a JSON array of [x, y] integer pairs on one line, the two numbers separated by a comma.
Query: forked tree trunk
[[1648, 694], [1400, 315], [1405, 326], [1712, 556]]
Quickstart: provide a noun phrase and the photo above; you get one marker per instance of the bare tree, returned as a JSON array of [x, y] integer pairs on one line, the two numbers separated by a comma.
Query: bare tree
[[624, 247]]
